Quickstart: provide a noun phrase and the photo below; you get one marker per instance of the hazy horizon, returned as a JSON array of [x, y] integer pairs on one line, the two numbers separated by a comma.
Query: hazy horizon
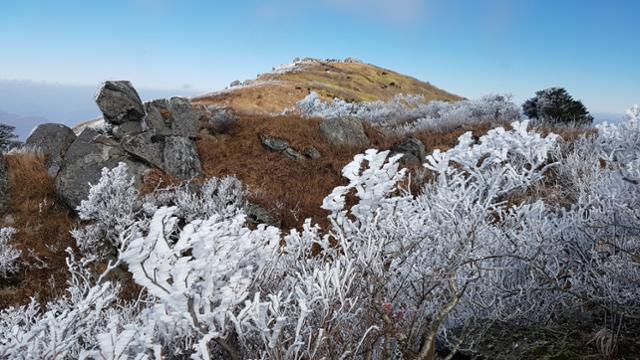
[[25, 104]]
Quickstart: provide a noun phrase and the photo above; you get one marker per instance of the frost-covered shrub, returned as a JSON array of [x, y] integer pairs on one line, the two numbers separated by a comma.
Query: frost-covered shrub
[[217, 196], [410, 113], [602, 257], [115, 209], [112, 207], [202, 273], [8, 254], [66, 326], [8, 138], [392, 272]]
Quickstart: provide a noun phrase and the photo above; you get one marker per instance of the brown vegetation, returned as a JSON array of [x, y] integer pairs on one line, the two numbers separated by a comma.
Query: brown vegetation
[[293, 190], [43, 225]]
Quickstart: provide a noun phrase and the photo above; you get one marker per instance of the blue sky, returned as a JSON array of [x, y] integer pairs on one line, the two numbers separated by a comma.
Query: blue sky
[[467, 47]]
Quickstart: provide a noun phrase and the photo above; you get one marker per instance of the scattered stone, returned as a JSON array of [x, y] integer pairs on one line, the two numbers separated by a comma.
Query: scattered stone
[[259, 215], [83, 163], [281, 146], [292, 154], [174, 117], [181, 158], [145, 146], [312, 153], [413, 152], [120, 102], [344, 131], [274, 144], [52, 140], [4, 186]]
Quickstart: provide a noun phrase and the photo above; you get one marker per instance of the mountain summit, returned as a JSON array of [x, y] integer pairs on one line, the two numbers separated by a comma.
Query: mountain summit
[[349, 79]]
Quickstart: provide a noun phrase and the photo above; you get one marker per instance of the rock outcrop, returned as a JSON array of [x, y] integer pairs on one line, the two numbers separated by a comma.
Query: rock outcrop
[[344, 131], [120, 102], [53, 140], [158, 134], [4, 186]]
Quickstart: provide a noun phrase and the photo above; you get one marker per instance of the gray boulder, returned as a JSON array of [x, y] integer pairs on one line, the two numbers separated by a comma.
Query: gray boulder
[[52, 140], [145, 146], [181, 158], [413, 152], [174, 117], [83, 163], [119, 102], [4, 186], [344, 131]]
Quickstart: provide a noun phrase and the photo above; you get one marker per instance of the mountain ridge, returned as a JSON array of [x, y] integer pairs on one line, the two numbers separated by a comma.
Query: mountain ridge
[[349, 79]]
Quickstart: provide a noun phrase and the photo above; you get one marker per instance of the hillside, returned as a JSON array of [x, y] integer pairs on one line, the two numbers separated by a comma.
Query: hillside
[[349, 80], [368, 221]]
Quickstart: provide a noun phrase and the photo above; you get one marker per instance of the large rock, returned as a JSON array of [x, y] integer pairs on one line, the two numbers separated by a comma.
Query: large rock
[[174, 117], [83, 165], [181, 158], [120, 102], [4, 186], [145, 146], [344, 131], [52, 140], [413, 152]]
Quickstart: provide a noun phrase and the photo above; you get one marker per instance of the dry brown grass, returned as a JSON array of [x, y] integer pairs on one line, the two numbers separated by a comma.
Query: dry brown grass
[[43, 225], [274, 92], [293, 190]]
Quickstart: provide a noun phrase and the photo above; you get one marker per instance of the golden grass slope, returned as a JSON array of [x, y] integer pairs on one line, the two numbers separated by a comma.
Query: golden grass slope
[[352, 81]]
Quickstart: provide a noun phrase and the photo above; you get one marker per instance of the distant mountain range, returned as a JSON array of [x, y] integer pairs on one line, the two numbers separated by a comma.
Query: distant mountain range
[[25, 104], [600, 117]]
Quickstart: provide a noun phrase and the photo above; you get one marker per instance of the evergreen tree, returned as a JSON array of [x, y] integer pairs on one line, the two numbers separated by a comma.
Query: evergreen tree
[[7, 137], [556, 106]]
